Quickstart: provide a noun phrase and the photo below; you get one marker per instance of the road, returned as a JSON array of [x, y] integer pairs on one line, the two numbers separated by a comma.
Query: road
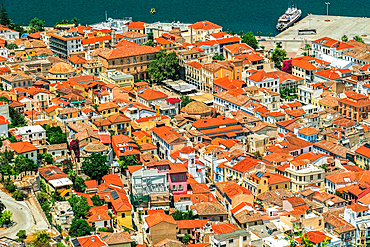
[[21, 216]]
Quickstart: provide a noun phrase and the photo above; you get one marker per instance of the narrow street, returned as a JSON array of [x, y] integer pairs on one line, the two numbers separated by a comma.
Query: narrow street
[[21, 216]]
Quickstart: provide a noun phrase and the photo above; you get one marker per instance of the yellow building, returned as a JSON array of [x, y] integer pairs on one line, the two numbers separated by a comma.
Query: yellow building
[[142, 137], [362, 157], [108, 109], [116, 124], [118, 78], [52, 111], [92, 67], [268, 181], [201, 30], [148, 123]]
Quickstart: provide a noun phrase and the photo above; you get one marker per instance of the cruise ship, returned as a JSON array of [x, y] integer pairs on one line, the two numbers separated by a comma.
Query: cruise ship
[[289, 18]]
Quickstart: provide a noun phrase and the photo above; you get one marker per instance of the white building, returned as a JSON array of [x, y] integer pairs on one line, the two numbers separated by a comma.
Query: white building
[[35, 134], [63, 213], [63, 44]]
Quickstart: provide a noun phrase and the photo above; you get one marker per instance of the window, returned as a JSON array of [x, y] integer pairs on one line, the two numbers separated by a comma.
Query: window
[[180, 187], [181, 177], [173, 178], [231, 241], [173, 187], [123, 215]]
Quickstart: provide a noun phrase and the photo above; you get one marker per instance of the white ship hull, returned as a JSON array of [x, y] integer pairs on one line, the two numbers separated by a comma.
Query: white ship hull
[[285, 23]]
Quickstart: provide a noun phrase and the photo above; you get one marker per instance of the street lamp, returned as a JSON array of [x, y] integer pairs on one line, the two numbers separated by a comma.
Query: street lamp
[[327, 10]]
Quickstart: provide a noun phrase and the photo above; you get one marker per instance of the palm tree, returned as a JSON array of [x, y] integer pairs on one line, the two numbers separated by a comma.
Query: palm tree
[[269, 34], [74, 21], [152, 12], [64, 21], [307, 48], [259, 34], [344, 38]]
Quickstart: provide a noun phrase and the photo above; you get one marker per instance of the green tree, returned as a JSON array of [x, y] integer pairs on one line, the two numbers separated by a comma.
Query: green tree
[[95, 166], [79, 228], [279, 45], [6, 217], [185, 100], [36, 25], [127, 160], [79, 184], [79, 206], [218, 57], [269, 34], [18, 195], [358, 39], [259, 33], [250, 40], [55, 135], [17, 28], [186, 238], [48, 158], [180, 215], [307, 48], [3, 98], [9, 186], [41, 239], [23, 164], [21, 234], [9, 155], [96, 200], [278, 56], [344, 38], [165, 66], [12, 46], [4, 18], [17, 120], [2, 207], [75, 21]]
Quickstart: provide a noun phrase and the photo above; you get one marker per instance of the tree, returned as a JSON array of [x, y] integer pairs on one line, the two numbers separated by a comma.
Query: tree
[[74, 146], [79, 184], [307, 48], [250, 40], [278, 56], [21, 234], [44, 201], [17, 120], [259, 34], [41, 239], [75, 21], [218, 57], [269, 34], [186, 238], [287, 66], [185, 100], [18, 195], [6, 217], [12, 46], [152, 12], [96, 200], [279, 45], [180, 215], [23, 164], [95, 166], [79, 206], [165, 66], [79, 228], [9, 186], [64, 21], [2, 207], [358, 39], [127, 160], [48, 158], [36, 25], [4, 18], [4, 99], [344, 38], [55, 135]]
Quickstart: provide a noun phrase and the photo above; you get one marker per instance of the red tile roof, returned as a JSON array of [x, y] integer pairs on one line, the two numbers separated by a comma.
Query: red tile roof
[[191, 224], [206, 25], [157, 218], [51, 173], [223, 228], [364, 151], [151, 94], [22, 147]]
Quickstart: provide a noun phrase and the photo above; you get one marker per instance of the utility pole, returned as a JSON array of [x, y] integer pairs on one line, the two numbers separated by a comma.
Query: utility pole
[[327, 10]]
